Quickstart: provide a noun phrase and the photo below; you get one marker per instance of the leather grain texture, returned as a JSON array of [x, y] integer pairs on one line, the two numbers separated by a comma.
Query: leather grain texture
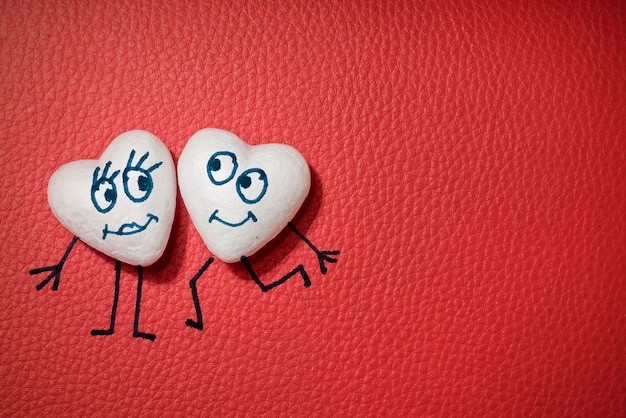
[[468, 160]]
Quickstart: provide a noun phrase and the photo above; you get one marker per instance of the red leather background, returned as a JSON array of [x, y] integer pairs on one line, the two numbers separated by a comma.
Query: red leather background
[[469, 162]]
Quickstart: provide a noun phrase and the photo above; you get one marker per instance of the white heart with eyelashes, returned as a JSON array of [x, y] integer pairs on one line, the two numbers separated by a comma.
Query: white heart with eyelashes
[[123, 203], [239, 197]]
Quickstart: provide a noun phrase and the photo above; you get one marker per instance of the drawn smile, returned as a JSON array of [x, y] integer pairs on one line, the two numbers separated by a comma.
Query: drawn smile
[[250, 217], [129, 228]]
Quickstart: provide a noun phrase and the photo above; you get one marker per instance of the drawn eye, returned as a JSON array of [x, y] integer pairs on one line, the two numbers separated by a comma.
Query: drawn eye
[[252, 185], [221, 167], [103, 190], [138, 182], [104, 196]]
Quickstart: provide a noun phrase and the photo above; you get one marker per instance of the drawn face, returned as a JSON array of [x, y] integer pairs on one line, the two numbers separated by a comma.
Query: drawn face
[[240, 197], [251, 185], [138, 185], [122, 204]]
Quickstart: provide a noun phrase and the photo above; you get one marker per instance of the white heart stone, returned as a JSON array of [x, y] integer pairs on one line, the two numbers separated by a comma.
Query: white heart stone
[[239, 197], [122, 204]]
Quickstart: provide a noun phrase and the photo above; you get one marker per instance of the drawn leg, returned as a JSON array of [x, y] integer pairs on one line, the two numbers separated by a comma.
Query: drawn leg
[[116, 295], [136, 332], [55, 270], [268, 287], [197, 324], [322, 256]]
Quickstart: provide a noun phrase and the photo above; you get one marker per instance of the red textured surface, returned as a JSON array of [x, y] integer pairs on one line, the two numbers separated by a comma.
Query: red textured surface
[[469, 161]]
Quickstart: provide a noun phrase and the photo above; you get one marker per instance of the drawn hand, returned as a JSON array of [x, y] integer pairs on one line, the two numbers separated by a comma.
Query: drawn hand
[[55, 270], [322, 256], [325, 256]]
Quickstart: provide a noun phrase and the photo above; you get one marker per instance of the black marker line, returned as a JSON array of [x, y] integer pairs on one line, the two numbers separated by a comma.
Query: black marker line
[[267, 287], [198, 323], [322, 256], [55, 270], [136, 332], [116, 295]]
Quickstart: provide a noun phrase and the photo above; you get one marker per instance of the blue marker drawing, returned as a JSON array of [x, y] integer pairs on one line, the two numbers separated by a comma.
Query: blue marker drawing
[[221, 167], [251, 184], [137, 180], [104, 199], [251, 187], [129, 228], [138, 185], [250, 217]]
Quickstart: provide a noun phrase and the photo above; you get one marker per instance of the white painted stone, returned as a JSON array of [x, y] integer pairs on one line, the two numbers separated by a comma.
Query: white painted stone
[[119, 204], [243, 201]]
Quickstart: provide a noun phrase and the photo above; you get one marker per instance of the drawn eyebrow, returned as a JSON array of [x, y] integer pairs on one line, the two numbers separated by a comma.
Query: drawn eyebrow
[[155, 166], [97, 177], [141, 160], [137, 166]]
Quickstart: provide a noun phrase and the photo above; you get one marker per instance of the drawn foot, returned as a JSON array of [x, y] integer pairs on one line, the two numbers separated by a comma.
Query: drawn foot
[[194, 324], [55, 270], [144, 335], [96, 332], [102, 331]]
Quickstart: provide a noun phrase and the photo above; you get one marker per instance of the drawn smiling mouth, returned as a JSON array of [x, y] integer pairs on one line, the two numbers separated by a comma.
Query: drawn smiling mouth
[[129, 228], [250, 216]]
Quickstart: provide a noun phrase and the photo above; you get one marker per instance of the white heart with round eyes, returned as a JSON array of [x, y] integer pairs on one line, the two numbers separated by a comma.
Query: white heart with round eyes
[[239, 197], [122, 204]]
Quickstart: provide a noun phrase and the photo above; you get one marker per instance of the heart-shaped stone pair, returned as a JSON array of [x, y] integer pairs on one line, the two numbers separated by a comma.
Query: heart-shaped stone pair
[[239, 197]]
